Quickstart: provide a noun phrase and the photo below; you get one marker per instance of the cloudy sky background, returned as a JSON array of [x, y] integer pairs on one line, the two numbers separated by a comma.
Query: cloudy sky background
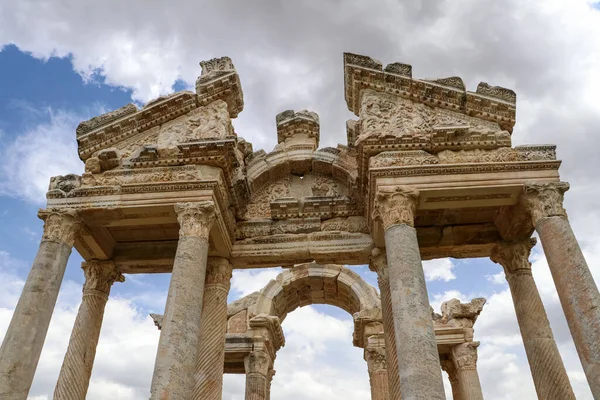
[[64, 61]]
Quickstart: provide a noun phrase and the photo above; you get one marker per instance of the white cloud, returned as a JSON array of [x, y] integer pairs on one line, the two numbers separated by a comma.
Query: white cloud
[[246, 281], [33, 156], [439, 269]]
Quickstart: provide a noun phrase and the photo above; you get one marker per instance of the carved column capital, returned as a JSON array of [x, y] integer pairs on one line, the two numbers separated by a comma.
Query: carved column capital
[[378, 261], [545, 200], [375, 357], [60, 225], [218, 272], [396, 205], [99, 276], [514, 256], [196, 219], [464, 355], [257, 362]]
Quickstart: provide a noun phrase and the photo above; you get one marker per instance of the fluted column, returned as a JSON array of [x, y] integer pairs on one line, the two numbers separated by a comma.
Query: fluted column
[[379, 265], [24, 339], [211, 353], [257, 365], [450, 368], [177, 353], [418, 360], [74, 377], [575, 285], [270, 376], [375, 355], [548, 371], [464, 357]]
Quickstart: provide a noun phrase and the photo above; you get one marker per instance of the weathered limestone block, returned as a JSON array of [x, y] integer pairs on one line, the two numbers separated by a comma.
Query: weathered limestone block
[[297, 129], [76, 370], [22, 344], [219, 81]]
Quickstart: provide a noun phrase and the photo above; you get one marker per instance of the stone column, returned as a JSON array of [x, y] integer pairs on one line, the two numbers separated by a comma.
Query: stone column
[[210, 363], [448, 366], [177, 353], [257, 365], [22, 345], [549, 374], [379, 265], [375, 355], [419, 369], [270, 376], [575, 285], [464, 357], [74, 377]]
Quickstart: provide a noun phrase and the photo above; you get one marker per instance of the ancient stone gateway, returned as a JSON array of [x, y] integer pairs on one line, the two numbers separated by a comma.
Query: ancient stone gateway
[[428, 171]]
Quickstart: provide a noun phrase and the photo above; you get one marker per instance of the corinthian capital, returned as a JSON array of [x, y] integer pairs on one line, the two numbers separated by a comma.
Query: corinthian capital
[[396, 205], [195, 219], [218, 272], [257, 362], [375, 357], [545, 200], [100, 275], [60, 225], [514, 256], [465, 355]]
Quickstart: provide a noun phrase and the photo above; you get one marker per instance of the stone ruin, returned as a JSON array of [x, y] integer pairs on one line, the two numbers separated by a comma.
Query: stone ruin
[[428, 171]]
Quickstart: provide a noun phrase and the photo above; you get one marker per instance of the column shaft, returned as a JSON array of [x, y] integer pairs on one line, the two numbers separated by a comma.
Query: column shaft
[[74, 377], [257, 365], [177, 353], [24, 339], [379, 263], [468, 385], [420, 370], [577, 292], [256, 386], [210, 363]]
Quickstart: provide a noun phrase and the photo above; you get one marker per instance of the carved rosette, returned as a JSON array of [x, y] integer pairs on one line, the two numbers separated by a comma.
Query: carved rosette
[[60, 225], [196, 219], [465, 355], [544, 200], [396, 205], [514, 257], [99, 276], [218, 272], [375, 357]]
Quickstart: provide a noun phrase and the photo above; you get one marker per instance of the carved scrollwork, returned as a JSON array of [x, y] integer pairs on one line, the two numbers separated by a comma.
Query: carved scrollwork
[[514, 256], [375, 357], [99, 276], [196, 219], [218, 271], [465, 355], [396, 205], [545, 200], [60, 225], [257, 362]]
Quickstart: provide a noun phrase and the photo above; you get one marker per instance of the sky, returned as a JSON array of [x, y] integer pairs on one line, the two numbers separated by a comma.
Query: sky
[[65, 61]]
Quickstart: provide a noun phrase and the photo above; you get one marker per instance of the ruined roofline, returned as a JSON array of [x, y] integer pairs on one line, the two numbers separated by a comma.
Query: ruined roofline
[[492, 103]]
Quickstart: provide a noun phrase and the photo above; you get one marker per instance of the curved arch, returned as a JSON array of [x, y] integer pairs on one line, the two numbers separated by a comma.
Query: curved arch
[[317, 284]]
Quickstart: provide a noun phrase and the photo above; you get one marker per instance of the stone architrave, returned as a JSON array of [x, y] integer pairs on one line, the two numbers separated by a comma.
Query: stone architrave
[[22, 344], [379, 265], [74, 377], [211, 353], [575, 285], [257, 365], [419, 371], [467, 381], [177, 353], [375, 355], [548, 371]]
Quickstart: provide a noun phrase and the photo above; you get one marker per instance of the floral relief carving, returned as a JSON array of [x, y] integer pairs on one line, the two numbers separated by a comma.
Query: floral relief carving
[[396, 205], [514, 256], [545, 200], [218, 271], [375, 357], [60, 225], [257, 362], [195, 219], [100, 275], [465, 355]]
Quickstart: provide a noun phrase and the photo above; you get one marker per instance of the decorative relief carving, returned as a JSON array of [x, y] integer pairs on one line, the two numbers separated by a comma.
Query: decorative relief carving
[[147, 175], [465, 355], [64, 184], [195, 219], [545, 200], [514, 257], [378, 262], [99, 276], [396, 205], [401, 158], [220, 81], [324, 186], [257, 362], [497, 92], [375, 357], [91, 124], [60, 225], [453, 81], [218, 271]]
